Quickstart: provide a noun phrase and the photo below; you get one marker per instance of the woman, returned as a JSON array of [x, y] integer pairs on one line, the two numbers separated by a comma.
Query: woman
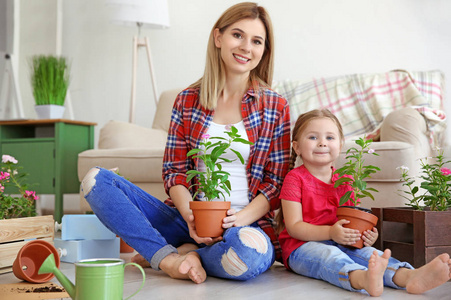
[[233, 91]]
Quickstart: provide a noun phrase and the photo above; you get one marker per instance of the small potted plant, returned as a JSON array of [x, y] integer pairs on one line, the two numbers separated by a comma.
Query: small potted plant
[[211, 184], [360, 218], [436, 185], [419, 231], [50, 81]]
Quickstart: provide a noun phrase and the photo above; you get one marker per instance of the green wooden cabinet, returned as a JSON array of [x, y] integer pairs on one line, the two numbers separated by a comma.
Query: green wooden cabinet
[[48, 151]]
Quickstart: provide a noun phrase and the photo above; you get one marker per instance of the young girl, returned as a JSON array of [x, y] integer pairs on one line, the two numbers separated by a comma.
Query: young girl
[[314, 242], [235, 89]]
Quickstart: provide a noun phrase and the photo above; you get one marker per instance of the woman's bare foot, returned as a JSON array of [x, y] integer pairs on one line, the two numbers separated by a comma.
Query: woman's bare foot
[[140, 260], [185, 248], [186, 266], [429, 276], [371, 280]]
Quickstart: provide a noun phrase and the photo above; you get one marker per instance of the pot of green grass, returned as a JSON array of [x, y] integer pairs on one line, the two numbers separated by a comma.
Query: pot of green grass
[[49, 80]]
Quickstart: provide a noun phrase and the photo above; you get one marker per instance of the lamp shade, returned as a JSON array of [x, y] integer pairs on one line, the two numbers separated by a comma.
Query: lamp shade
[[149, 13]]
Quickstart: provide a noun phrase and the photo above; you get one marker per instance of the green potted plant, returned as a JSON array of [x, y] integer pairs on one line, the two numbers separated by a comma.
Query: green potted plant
[[436, 185], [360, 218], [211, 184], [50, 81], [419, 231]]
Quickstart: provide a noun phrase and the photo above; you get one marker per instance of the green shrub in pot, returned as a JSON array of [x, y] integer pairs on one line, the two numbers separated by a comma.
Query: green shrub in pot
[[49, 79]]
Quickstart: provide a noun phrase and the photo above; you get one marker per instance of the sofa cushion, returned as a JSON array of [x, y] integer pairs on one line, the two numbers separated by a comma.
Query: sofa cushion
[[162, 119], [116, 134], [391, 156], [407, 125], [137, 165]]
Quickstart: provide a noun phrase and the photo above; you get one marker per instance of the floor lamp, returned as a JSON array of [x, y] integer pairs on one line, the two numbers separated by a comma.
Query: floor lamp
[[10, 85], [142, 13], [141, 42]]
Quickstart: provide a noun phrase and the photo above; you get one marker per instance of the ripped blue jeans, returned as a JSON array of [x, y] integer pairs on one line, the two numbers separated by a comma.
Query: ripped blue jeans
[[333, 262], [155, 230]]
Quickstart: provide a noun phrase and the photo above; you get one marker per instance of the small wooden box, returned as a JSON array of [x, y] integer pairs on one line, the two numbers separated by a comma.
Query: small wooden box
[[413, 236], [14, 233], [84, 227], [75, 250]]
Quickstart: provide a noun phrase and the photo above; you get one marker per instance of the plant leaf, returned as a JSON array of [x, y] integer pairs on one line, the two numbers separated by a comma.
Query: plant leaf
[[239, 156]]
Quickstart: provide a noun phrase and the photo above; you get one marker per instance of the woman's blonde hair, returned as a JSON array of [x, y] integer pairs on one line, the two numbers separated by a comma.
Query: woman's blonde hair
[[212, 82], [301, 123]]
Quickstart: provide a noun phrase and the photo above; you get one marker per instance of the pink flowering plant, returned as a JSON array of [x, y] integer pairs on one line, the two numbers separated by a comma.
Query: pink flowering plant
[[357, 172], [435, 184], [22, 205], [214, 180]]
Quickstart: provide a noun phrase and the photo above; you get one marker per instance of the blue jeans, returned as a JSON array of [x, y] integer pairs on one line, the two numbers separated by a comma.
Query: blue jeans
[[333, 262], [155, 230]]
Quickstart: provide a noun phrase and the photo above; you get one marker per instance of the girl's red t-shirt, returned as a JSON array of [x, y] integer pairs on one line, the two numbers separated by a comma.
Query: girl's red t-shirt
[[319, 203]]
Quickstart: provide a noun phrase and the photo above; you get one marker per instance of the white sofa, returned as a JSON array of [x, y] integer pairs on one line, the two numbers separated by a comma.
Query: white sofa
[[138, 151]]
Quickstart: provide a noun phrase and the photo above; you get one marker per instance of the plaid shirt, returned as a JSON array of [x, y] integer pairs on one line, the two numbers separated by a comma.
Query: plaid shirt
[[267, 123]]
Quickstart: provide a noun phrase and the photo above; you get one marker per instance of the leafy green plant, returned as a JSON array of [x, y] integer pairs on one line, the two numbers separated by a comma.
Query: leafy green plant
[[49, 79], [11, 206], [355, 168], [214, 179], [436, 185]]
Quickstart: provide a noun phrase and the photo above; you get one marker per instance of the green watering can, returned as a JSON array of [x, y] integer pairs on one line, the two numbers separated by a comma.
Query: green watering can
[[95, 279]]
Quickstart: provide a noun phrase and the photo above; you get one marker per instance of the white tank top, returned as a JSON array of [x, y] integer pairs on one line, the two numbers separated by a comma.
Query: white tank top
[[238, 179]]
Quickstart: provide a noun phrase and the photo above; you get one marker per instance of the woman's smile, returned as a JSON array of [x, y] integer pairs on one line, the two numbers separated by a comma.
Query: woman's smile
[[241, 59]]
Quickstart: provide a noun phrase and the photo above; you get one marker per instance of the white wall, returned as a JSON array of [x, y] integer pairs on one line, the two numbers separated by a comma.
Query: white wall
[[313, 38]]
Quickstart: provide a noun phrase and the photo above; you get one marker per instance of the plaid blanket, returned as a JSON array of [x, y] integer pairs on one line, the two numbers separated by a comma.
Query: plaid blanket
[[361, 101]]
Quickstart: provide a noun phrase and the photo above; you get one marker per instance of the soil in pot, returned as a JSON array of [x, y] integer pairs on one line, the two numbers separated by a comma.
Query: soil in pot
[[30, 258], [360, 218], [208, 216]]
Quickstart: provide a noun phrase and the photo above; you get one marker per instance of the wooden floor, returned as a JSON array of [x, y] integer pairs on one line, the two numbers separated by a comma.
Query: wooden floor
[[276, 283]]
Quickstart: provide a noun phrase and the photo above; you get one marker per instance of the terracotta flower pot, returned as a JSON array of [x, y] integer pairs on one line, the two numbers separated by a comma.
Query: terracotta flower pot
[[124, 247], [30, 258], [360, 219], [208, 216]]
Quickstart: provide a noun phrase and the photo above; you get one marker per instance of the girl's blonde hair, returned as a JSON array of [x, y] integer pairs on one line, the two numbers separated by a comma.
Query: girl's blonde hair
[[301, 123], [213, 81]]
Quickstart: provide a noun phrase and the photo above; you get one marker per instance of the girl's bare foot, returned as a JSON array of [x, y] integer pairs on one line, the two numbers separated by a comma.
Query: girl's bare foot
[[186, 266], [374, 283], [429, 276], [371, 280], [140, 260]]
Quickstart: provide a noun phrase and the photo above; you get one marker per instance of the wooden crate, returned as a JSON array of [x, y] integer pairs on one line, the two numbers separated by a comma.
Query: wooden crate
[[14, 233], [413, 236]]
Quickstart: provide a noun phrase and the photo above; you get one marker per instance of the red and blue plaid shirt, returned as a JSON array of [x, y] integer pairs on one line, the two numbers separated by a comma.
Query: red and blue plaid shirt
[[266, 118]]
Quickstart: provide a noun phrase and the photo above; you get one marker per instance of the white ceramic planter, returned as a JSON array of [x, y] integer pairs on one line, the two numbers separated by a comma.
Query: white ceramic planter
[[50, 111]]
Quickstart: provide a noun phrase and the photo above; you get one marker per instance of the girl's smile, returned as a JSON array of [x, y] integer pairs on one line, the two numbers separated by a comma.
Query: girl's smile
[[319, 143]]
